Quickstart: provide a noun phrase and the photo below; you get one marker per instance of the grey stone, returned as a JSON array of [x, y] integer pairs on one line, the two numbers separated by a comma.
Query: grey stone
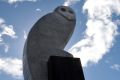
[[48, 37]]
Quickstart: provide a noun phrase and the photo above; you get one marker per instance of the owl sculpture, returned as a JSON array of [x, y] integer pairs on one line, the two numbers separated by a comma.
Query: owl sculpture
[[48, 37]]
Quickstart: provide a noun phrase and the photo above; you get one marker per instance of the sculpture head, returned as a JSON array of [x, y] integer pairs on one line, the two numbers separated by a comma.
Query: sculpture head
[[66, 12]]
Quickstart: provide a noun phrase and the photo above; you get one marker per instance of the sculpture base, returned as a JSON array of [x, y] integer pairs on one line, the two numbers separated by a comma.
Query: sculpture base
[[64, 68]]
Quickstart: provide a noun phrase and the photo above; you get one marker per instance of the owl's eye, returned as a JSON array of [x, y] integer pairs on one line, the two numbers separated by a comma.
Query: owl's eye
[[63, 9], [70, 11]]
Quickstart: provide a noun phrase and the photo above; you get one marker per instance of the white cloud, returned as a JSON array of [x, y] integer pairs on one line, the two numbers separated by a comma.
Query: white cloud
[[70, 2], [1, 21], [25, 35], [38, 9], [15, 1], [115, 67], [6, 48], [8, 31], [11, 66], [100, 33]]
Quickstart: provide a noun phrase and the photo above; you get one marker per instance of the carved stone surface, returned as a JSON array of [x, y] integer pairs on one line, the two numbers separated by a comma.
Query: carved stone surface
[[48, 37]]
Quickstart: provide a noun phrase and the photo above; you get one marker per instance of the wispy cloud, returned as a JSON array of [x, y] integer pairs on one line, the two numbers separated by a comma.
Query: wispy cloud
[[8, 31], [70, 2], [15, 1], [117, 21], [6, 48], [38, 9], [115, 67], [107, 61], [25, 35], [100, 32], [11, 66]]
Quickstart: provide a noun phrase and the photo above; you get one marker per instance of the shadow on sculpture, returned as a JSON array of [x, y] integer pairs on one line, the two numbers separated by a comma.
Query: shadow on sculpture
[[44, 57]]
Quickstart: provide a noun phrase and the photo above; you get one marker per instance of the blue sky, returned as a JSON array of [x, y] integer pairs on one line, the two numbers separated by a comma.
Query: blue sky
[[96, 39]]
